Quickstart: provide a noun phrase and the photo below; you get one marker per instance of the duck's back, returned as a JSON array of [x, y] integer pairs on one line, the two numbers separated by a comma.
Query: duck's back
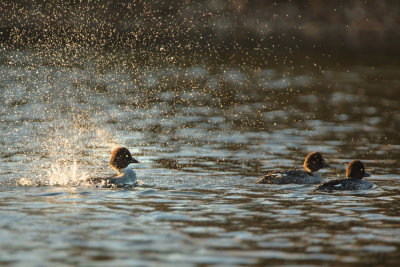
[[103, 182], [291, 177]]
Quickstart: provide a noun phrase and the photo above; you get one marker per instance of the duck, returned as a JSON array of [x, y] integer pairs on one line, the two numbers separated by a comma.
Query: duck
[[354, 179], [120, 161], [313, 162]]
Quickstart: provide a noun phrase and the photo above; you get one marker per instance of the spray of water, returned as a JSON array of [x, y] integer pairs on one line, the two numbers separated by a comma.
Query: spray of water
[[64, 146], [66, 175]]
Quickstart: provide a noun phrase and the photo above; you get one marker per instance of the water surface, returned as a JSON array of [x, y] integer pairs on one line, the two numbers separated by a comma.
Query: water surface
[[204, 132]]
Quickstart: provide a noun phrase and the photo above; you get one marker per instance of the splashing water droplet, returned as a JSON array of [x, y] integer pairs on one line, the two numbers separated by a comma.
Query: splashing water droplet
[[64, 174]]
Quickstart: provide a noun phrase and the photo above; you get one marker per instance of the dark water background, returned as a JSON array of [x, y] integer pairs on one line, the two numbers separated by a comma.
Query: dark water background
[[206, 121]]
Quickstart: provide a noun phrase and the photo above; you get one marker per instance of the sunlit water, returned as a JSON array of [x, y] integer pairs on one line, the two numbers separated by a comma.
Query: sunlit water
[[203, 133]]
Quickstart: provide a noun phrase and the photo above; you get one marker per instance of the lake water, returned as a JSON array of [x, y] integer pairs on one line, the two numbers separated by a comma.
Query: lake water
[[204, 133]]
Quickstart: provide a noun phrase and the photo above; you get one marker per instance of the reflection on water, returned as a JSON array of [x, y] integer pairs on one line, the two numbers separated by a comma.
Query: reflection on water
[[204, 134]]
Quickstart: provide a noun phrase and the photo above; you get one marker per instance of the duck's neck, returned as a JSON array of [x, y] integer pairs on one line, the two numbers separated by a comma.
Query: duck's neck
[[309, 172], [127, 172], [354, 179]]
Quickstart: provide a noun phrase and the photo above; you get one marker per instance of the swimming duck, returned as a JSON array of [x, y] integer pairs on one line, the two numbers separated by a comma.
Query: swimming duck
[[126, 176], [354, 179], [313, 162]]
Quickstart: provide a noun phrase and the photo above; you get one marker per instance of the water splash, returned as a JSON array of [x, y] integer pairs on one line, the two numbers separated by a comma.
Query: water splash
[[59, 174], [65, 174], [67, 150]]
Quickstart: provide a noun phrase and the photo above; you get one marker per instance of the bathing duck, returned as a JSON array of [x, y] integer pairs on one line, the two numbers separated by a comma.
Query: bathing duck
[[126, 176]]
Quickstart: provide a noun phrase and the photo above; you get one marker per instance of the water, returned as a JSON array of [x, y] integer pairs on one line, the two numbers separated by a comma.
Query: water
[[204, 132]]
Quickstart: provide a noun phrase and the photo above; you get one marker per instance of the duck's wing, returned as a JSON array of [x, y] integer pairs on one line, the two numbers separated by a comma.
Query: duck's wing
[[96, 180], [268, 178], [283, 177], [100, 180]]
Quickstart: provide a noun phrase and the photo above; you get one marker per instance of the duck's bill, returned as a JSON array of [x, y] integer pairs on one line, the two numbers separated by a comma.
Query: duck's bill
[[134, 161], [325, 165], [367, 174]]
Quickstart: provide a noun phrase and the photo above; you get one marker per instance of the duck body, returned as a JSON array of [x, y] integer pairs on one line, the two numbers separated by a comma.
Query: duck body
[[127, 177], [291, 177], [345, 184]]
